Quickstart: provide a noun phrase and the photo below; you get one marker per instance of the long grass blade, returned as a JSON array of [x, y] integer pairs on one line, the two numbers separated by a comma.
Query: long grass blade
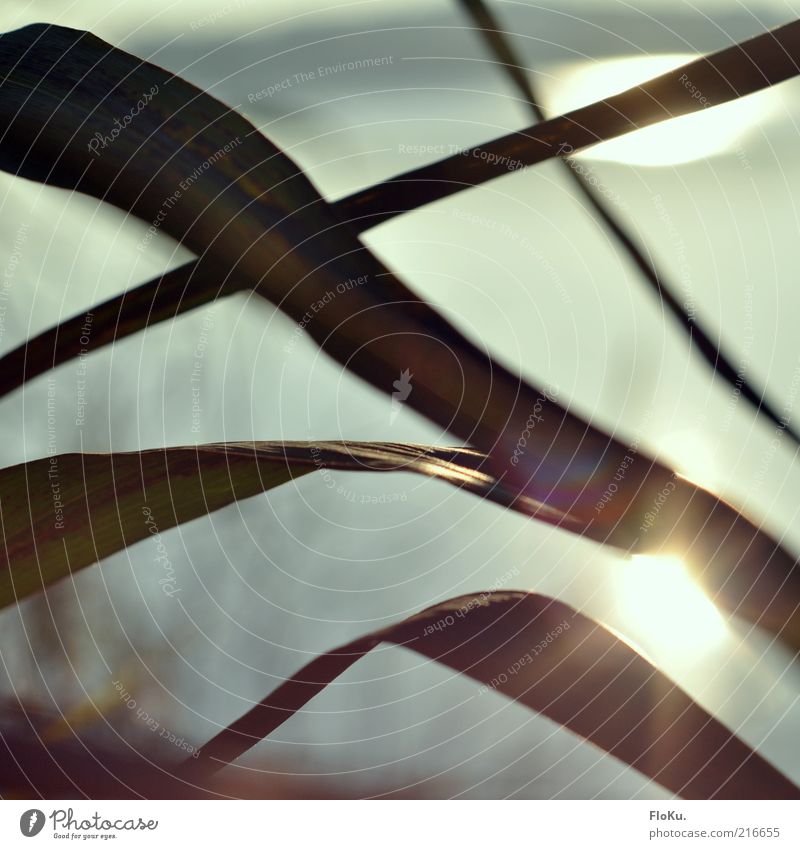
[[559, 663], [178, 291], [731, 73], [699, 338], [62, 513], [660, 99]]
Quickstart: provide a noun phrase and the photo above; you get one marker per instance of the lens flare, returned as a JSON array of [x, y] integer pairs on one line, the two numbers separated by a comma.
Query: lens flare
[[666, 610]]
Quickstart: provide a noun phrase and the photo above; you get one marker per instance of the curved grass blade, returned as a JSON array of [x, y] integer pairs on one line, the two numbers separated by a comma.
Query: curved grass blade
[[62, 513], [244, 206], [699, 339], [559, 663]]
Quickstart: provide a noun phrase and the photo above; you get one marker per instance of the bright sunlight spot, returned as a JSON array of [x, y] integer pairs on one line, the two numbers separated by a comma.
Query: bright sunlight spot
[[692, 454], [666, 609], [712, 130]]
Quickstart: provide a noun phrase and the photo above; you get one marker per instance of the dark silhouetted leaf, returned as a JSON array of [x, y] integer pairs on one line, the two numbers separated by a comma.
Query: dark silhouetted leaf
[[733, 72], [658, 283], [557, 662], [65, 512]]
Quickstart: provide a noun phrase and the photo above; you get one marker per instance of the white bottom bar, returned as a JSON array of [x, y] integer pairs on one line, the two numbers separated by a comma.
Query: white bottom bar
[[402, 824]]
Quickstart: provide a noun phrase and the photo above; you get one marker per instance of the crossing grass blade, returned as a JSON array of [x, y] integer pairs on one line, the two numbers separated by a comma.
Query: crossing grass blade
[[733, 72], [657, 282], [166, 297], [728, 74]]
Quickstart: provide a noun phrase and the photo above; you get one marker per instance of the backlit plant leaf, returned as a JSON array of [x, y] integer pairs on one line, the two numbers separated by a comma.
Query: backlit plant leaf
[[658, 283], [64, 512], [733, 72], [559, 663], [68, 511], [726, 75]]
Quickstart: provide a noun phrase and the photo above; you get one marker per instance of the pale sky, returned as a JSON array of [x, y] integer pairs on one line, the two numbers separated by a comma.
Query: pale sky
[[119, 18]]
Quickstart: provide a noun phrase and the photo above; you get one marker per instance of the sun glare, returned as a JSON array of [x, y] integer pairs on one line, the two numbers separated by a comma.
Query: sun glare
[[690, 137], [666, 609], [693, 455]]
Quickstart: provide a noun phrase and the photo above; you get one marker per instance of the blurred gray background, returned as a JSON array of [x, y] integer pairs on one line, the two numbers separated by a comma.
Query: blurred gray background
[[520, 266]]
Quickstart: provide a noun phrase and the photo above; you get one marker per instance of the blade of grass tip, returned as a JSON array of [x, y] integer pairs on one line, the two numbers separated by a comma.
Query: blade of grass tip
[[173, 293], [62, 513], [730, 73], [557, 662], [500, 45]]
